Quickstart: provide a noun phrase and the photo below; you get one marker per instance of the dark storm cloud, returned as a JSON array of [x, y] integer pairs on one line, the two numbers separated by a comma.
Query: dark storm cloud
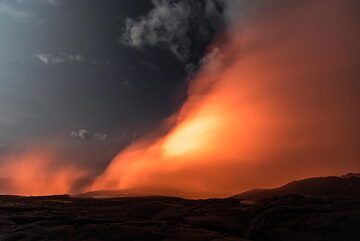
[[182, 27]]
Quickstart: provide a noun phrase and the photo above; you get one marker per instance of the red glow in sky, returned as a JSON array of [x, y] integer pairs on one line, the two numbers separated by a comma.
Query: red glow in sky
[[283, 106]]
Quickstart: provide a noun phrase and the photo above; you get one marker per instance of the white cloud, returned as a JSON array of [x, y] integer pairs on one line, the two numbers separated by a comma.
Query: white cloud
[[74, 134], [86, 135], [61, 58], [100, 136]]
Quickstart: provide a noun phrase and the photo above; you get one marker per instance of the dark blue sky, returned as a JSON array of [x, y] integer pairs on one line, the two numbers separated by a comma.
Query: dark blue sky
[[93, 75]]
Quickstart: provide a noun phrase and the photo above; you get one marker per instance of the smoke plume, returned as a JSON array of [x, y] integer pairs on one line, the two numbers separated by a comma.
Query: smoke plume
[[278, 101], [39, 172]]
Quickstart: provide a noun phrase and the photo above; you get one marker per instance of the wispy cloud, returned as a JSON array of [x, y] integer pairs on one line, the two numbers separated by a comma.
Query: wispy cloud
[[51, 2], [15, 9], [59, 59], [62, 58], [86, 135], [44, 2], [12, 12]]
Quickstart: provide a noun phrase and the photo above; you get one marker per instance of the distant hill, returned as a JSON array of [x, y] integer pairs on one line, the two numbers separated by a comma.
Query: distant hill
[[346, 186], [131, 192], [113, 194]]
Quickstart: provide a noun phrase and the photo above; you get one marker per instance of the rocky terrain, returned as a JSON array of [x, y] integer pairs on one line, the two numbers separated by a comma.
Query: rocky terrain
[[284, 218], [327, 209]]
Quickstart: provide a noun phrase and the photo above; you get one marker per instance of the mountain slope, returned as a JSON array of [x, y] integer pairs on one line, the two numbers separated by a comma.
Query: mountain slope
[[347, 186]]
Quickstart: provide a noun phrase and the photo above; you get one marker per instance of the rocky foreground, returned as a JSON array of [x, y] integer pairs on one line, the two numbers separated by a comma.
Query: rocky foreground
[[287, 218]]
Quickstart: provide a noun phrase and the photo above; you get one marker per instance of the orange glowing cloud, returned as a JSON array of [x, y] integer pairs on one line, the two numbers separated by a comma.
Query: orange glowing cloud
[[278, 101], [38, 172]]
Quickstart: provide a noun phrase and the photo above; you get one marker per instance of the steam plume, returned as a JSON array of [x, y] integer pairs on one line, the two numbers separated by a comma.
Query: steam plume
[[279, 101], [39, 172]]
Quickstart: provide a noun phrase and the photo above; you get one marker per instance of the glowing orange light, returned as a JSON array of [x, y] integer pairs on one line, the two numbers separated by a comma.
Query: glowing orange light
[[190, 137]]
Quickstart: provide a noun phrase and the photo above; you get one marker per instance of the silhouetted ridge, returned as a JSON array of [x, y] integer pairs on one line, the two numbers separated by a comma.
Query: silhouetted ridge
[[346, 186]]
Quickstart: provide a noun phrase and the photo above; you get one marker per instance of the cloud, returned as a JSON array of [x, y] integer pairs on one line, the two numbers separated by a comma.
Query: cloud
[[15, 11], [61, 58], [213, 61], [100, 136], [86, 135], [83, 134], [182, 27], [43, 2], [12, 12], [51, 2]]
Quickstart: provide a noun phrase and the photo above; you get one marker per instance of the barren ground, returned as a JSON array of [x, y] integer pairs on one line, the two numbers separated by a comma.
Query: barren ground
[[286, 218]]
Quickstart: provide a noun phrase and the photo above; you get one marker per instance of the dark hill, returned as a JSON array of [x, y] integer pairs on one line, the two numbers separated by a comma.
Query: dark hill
[[347, 186]]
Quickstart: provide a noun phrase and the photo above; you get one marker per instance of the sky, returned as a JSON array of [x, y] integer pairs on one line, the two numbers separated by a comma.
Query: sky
[[79, 76], [217, 96]]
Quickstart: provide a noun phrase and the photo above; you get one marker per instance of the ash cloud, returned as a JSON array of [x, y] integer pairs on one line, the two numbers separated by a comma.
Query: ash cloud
[[182, 27]]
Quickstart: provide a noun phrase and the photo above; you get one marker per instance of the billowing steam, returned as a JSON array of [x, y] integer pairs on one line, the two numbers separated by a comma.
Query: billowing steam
[[278, 101], [38, 172]]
